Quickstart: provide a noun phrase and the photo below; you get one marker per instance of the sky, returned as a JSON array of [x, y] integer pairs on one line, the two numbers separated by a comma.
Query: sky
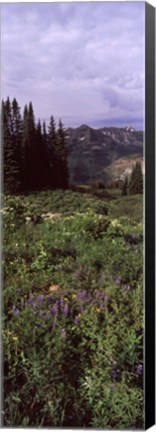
[[81, 62]]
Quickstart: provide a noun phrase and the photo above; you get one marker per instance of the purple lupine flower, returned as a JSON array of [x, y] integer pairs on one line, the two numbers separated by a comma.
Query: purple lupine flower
[[76, 320], [16, 313], [102, 306], [40, 298], [118, 280], [62, 302], [81, 295], [65, 310], [55, 309], [114, 374], [139, 369], [30, 298], [128, 288], [48, 315], [35, 306], [40, 313], [97, 295], [63, 334]]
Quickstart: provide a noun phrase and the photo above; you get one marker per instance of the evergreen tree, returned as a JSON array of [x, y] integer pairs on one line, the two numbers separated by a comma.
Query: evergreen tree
[[42, 174], [136, 180], [11, 169], [125, 187], [44, 133], [53, 156], [29, 148], [63, 173], [17, 136]]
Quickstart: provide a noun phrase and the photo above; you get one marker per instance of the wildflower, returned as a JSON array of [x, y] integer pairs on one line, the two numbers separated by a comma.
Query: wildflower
[[139, 369], [40, 313], [63, 334], [98, 310], [16, 313], [65, 299], [55, 309], [82, 295], [34, 306], [65, 310], [30, 298], [15, 338], [61, 302], [114, 374], [40, 298], [97, 295], [73, 296], [76, 319], [48, 315], [118, 280]]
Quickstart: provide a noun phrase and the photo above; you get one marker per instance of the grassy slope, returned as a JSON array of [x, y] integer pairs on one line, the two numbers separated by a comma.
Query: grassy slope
[[59, 245]]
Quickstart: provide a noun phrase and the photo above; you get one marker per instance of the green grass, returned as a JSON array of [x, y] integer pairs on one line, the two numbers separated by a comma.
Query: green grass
[[73, 311]]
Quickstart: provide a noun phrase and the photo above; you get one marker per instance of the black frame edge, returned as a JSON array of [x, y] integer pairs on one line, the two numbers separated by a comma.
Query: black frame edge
[[149, 216]]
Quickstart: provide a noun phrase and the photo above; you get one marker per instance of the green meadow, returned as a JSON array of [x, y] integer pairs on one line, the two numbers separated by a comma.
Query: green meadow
[[73, 310]]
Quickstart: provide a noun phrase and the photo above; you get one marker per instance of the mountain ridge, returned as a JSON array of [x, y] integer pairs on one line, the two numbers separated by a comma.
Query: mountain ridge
[[94, 152]]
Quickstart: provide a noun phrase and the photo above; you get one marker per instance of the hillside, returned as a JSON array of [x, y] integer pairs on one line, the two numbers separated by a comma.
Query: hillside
[[102, 153]]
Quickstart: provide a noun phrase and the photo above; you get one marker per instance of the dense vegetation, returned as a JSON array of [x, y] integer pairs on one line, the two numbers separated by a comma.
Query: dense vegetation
[[133, 185], [33, 158], [73, 302]]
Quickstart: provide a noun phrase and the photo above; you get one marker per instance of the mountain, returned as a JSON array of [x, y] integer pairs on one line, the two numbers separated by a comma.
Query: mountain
[[103, 153]]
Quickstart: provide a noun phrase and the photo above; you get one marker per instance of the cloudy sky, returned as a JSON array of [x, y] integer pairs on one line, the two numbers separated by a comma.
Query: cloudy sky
[[83, 62]]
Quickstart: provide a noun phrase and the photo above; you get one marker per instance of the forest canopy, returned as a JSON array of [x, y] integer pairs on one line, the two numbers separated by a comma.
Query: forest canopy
[[34, 158]]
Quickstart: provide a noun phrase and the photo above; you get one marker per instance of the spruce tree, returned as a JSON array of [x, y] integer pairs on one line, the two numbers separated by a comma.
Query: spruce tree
[[11, 177], [125, 187], [136, 180], [63, 178], [17, 137], [29, 148], [41, 170], [53, 156]]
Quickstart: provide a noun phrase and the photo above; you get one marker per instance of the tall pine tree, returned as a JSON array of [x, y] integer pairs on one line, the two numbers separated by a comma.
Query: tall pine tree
[[29, 148], [53, 156], [136, 180], [11, 172], [17, 136], [63, 178]]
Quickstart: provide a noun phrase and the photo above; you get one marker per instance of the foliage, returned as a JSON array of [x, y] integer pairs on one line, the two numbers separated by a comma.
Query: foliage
[[33, 160], [125, 187], [73, 302], [136, 180]]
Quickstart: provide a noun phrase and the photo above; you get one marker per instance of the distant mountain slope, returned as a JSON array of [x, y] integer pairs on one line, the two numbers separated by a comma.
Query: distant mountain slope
[[94, 152]]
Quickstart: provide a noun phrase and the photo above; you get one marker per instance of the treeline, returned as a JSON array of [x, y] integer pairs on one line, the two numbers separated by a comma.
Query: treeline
[[33, 158]]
